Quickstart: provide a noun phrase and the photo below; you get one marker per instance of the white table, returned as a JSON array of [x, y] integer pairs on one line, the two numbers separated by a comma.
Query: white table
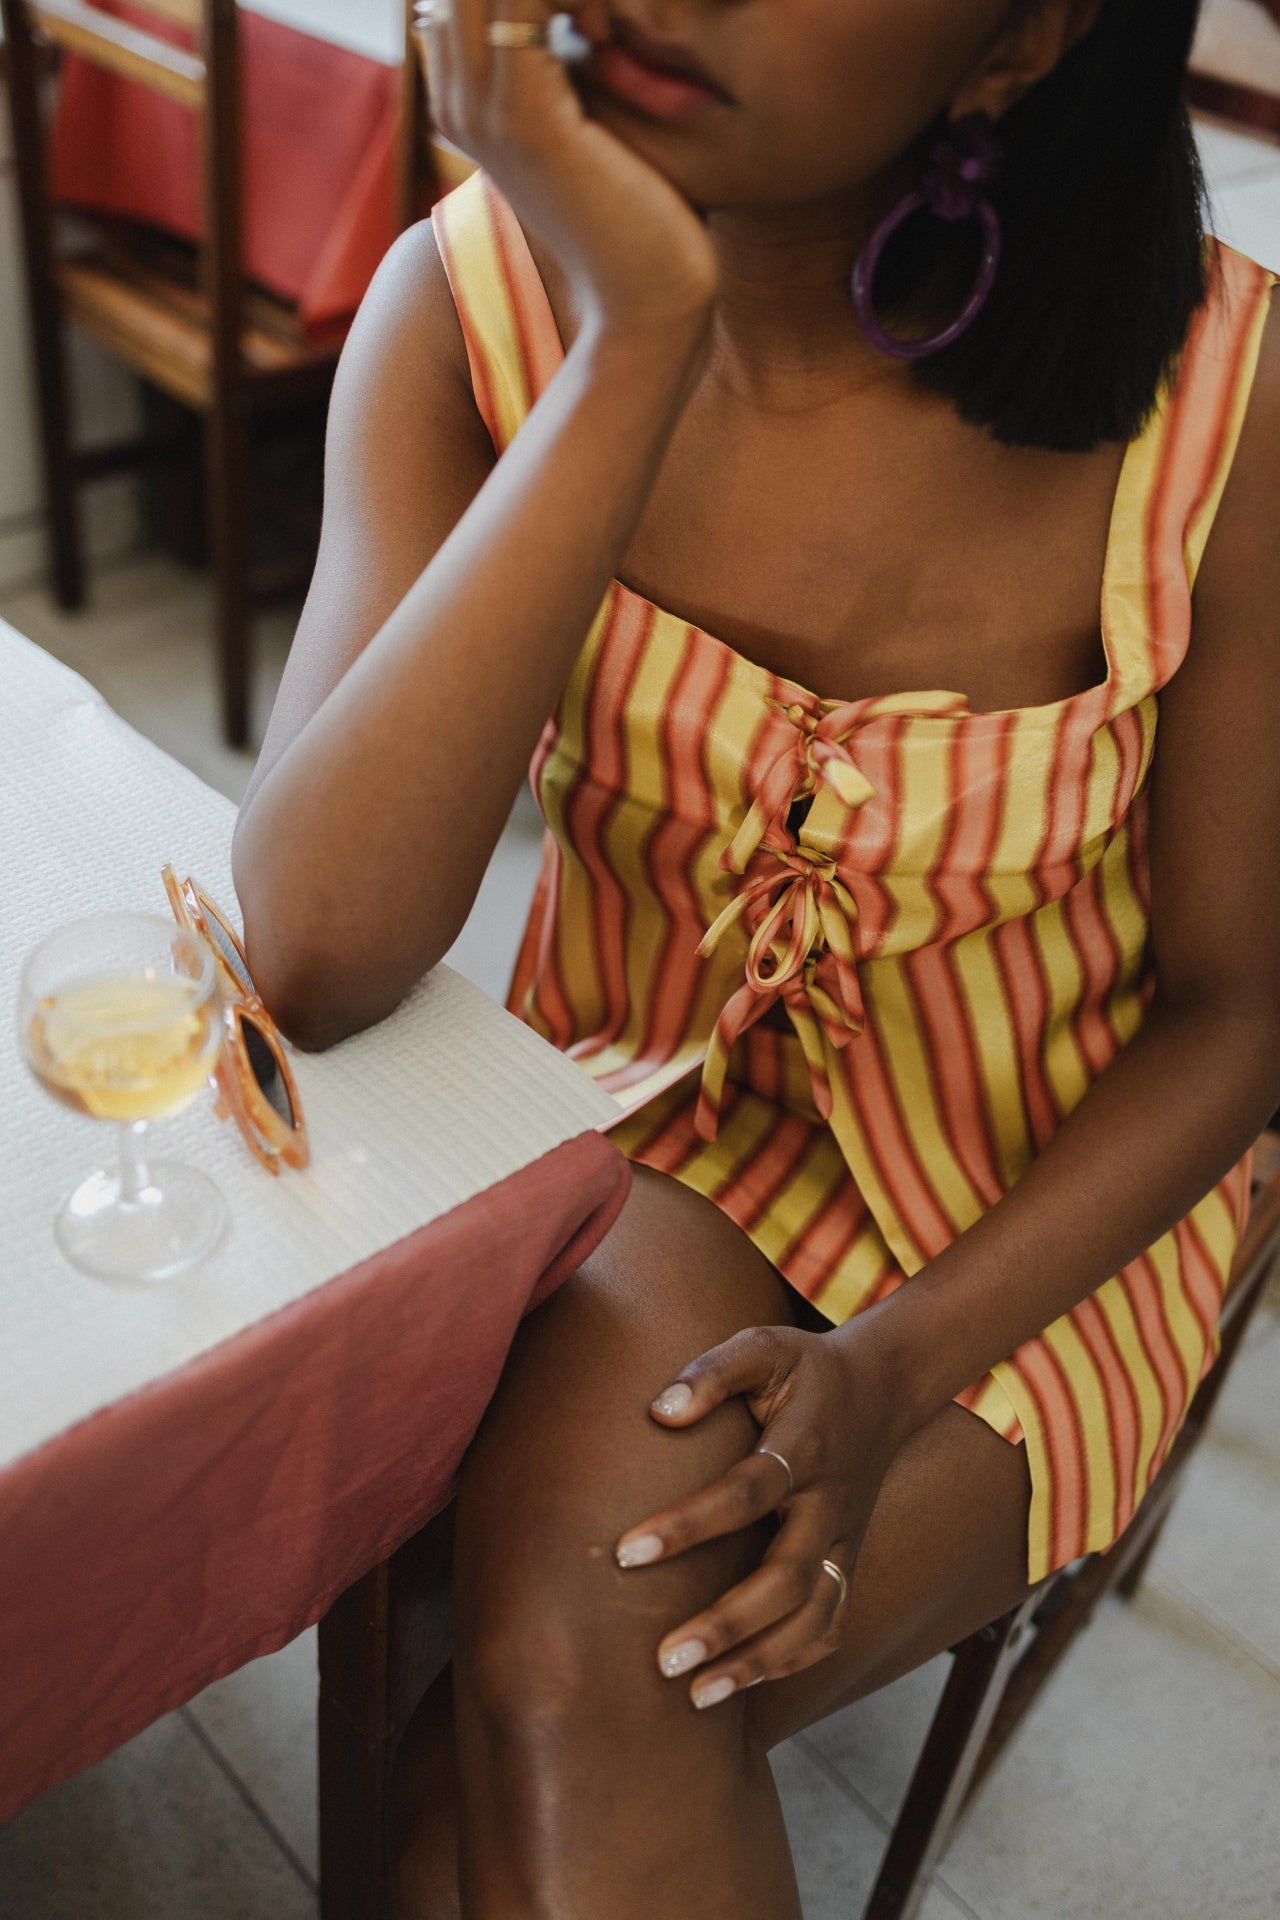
[[198, 1467], [373, 27]]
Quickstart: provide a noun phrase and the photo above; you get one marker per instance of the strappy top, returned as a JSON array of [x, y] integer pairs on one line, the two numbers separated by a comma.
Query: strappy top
[[957, 927]]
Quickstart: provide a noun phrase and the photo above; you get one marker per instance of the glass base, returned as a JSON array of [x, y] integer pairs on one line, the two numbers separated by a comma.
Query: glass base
[[177, 1219]]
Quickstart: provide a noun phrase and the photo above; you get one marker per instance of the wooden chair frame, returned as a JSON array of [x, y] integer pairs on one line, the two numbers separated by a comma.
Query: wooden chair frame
[[387, 1638], [210, 352]]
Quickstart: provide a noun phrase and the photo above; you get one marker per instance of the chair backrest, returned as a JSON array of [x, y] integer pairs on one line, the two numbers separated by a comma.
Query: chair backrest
[[205, 78], [127, 50]]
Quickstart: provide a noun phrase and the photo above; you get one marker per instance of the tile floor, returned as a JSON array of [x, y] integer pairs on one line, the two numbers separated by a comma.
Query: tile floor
[[1145, 1783]]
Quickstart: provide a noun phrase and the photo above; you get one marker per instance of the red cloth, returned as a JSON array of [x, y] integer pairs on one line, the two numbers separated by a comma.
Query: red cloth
[[319, 170], [213, 1516]]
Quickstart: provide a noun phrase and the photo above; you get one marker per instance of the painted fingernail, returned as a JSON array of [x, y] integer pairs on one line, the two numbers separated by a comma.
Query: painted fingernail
[[673, 1399], [634, 1553], [714, 1690], [679, 1659]]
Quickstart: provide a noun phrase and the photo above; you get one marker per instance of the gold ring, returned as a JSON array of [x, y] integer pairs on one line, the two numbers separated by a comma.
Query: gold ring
[[829, 1566], [517, 33]]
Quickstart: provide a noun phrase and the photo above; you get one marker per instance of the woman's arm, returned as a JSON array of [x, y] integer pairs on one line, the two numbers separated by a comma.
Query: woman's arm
[[450, 599], [1197, 1083], [427, 661]]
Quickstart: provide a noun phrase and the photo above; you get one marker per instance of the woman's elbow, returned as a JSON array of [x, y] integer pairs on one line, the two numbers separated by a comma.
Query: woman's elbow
[[292, 981], [315, 997], [317, 992]]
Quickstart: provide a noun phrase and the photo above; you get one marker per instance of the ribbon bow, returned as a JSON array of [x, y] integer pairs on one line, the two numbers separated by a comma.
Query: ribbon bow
[[801, 914], [815, 752]]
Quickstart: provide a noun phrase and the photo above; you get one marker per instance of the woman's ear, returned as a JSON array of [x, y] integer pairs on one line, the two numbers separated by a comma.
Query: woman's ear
[[1031, 45]]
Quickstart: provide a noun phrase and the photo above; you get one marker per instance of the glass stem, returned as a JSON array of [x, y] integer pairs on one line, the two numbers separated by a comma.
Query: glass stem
[[133, 1168]]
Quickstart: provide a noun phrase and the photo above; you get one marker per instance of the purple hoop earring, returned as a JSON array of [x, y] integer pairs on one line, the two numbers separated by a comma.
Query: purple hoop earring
[[962, 161]]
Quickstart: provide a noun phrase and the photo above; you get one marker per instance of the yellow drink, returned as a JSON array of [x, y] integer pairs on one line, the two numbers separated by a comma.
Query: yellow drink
[[126, 1046]]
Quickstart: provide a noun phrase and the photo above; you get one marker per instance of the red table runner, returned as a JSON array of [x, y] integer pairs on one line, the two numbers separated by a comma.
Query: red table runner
[[318, 132], [211, 1517]]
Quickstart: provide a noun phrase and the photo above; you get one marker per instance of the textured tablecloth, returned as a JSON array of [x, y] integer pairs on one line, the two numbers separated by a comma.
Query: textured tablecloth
[[190, 1472]]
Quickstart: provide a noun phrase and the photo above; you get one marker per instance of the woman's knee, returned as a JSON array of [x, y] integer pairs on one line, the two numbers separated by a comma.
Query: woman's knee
[[568, 1457], [553, 1638]]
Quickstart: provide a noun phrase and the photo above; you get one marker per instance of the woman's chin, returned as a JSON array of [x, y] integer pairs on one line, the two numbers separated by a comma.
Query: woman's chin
[[650, 139]]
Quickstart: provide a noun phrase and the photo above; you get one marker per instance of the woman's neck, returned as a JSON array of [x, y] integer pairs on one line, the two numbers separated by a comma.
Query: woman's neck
[[787, 339]]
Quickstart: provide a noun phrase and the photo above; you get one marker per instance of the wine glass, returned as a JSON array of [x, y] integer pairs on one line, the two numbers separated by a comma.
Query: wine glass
[[119, 1017]]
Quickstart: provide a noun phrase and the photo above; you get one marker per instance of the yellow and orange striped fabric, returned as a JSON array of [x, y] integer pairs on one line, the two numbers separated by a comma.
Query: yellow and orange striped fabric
[[957, 927]]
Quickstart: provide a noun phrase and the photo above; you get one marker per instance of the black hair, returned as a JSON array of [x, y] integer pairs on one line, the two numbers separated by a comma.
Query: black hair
[[1104, 261]]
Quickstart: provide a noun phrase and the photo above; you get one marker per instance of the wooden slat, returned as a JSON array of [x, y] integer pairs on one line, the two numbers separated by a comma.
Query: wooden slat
[[1234, 105], [170, 348], [187, 13], [123, 49]]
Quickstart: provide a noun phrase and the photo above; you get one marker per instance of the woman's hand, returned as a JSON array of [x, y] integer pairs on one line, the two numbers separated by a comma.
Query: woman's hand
[[827, 1408], [633, 248]]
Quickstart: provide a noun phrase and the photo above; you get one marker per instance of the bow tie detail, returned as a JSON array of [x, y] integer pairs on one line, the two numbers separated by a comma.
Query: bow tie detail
[[800, 914], [818, 751], [800, 951]]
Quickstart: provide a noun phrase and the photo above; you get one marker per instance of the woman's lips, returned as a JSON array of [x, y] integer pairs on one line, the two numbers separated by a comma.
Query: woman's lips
[[667, 96]]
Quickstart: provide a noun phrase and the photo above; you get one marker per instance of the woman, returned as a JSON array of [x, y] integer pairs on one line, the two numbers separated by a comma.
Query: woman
[[654, 429]]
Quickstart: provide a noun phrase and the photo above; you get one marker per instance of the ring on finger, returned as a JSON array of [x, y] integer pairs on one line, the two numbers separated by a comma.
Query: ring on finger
[[791, 1485], [829, 1566], [431, 13], [516, 33]]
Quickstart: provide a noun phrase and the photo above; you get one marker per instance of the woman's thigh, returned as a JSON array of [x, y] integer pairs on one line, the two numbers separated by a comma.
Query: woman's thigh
[[567, 1457]]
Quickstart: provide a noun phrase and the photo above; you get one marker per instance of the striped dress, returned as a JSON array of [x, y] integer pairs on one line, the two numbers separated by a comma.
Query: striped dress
[[950, 906]]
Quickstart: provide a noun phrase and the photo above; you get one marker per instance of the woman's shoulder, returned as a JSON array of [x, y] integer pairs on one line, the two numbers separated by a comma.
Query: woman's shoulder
[[1238, 287], [1250, 507], [1250, 372], [1243, 265]]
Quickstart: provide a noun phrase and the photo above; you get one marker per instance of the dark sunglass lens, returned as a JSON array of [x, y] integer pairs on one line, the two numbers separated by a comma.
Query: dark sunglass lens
[[217, 933], [265, 1070]]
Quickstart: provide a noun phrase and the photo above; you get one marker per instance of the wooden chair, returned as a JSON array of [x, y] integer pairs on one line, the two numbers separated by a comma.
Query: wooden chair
[[1217, 85], [997, 1672], [184, 320], [387, 1638]]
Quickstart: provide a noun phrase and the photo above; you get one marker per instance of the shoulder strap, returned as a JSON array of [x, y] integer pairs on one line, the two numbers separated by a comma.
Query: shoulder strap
[[1176, 475], [1226, 345], [513, 343]]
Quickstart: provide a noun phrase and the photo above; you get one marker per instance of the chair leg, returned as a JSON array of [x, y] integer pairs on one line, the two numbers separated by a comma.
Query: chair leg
[[1127, 1582], [355, 1738], [62, 506], [228, 478], [382, 1643], [48, 343], [979, 1674]]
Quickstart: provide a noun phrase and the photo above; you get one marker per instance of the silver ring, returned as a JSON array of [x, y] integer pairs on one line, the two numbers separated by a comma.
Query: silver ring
[[516, 33], [791, 1485], [829, 1566], [431, 13]]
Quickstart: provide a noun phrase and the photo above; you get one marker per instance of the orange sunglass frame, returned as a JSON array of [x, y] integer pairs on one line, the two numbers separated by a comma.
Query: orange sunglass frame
[[271, 1139]]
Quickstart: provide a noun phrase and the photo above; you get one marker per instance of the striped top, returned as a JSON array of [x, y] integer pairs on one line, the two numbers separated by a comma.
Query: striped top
[[955, 923]]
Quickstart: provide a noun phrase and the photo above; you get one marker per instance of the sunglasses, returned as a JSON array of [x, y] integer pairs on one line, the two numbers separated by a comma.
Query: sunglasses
[[255, 1083]]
